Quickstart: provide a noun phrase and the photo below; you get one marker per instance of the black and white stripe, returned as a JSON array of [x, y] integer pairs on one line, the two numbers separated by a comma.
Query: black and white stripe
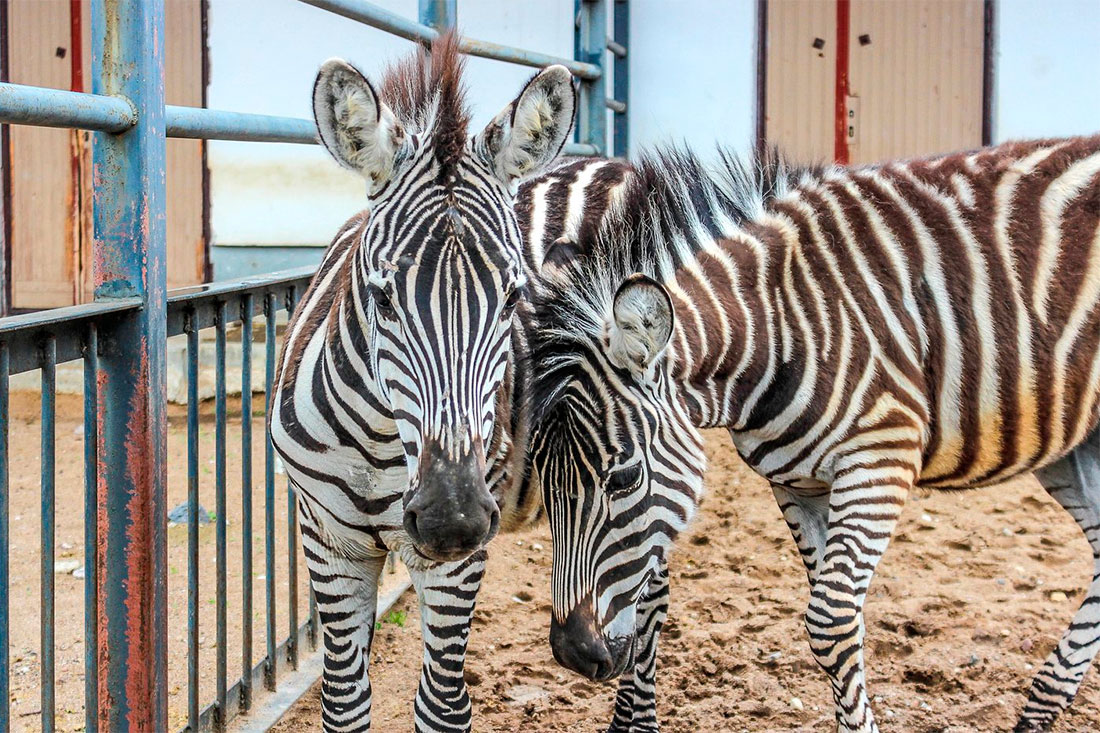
[[860, 332]]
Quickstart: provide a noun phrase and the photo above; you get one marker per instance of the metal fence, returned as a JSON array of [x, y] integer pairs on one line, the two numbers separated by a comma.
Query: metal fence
[[122, 340]]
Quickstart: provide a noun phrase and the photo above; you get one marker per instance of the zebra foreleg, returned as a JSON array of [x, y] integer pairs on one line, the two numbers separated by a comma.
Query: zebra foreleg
[[636, 700], [1074, 482], [446, 593], [346, 590], [865, 500]]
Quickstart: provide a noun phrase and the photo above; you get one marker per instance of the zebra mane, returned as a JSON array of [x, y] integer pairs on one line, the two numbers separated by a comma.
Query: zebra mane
[[426, 93], [671, 205]]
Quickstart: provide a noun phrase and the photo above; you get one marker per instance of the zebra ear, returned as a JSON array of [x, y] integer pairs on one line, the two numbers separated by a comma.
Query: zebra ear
[[642, 323], [531, 131], [356, 128]]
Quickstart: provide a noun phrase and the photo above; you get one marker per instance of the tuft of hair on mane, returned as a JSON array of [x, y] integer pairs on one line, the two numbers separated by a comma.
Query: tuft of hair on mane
[[427, 95], [671, 205]]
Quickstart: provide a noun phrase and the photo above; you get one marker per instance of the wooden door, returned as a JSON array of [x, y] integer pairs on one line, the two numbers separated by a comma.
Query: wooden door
[[900, 78], [50, 218]]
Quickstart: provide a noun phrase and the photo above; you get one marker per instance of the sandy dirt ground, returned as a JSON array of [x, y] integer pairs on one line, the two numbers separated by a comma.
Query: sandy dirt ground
[[974, 593]]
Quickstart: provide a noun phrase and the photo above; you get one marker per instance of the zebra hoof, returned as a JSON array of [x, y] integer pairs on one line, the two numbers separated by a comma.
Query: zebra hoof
[[631, 728]]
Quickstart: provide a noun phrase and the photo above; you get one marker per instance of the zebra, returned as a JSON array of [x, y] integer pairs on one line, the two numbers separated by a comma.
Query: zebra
[[859, 331], [396, 405]]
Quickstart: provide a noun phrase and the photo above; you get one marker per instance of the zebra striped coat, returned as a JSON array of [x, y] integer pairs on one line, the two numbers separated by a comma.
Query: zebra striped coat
[[395, 407], [860, 332]]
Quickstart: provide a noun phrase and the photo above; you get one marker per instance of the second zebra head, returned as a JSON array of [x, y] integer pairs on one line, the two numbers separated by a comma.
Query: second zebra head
[[440, 267]]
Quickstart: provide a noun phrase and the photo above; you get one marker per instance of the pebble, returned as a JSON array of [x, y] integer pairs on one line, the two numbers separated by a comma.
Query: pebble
[[1006, 532], [66, 546], [537, 547], [523, 694], [774, 656], [65, 567], [79, 572], [1026, 645], [797, 704], [925, 706], [1057, 596], [1001, 581], [889, 713]]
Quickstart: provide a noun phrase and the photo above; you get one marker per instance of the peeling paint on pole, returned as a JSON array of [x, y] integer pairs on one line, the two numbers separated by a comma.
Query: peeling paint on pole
[[129, 232]]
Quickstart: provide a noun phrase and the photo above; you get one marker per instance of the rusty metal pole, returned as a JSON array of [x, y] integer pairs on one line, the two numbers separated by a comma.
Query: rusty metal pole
[[129, 231]]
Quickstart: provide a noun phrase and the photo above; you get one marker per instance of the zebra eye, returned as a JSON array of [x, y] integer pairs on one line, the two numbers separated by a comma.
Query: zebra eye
[[511, 302], [624, 480], [381, 302]]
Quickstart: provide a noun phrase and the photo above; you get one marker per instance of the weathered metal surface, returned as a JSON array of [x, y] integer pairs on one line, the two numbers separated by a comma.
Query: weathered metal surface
[[593, 50], [5, 576], [129, 231], [620, 126], [46, 558], [221, 609], [21, 104], [271, 665], [376, 17], [246, 501], [214, 124], [439, 14], [91, 529], [192, 520]]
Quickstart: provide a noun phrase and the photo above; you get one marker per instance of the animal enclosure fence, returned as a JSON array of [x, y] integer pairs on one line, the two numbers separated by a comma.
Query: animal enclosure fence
[[121, 338]]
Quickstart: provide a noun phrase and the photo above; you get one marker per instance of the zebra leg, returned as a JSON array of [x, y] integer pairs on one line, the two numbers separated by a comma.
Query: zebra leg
[[1074, 482], [636, 700], [865, 500], [446, 593], [807, 516], [346, 590]]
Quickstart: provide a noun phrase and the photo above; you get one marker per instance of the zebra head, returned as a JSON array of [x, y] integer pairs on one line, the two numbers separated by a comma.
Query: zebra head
[[618, 459], [439, 269]]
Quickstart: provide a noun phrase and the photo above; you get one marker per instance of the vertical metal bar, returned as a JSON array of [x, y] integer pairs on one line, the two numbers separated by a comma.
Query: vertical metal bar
[[621, 131], [91, 532], [246, 502], [292, 546], [192, 521], [46, 611], [271, 666], [439, 14], [593, 121], [5, 576], [219, 500], [129, 260]]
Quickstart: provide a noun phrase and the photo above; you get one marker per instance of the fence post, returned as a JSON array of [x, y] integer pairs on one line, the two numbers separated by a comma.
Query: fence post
[[593, 49], [129, 215], [621, 132], [439, 14]]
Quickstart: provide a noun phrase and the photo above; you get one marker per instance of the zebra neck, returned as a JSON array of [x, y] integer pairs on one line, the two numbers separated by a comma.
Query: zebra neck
[[730, 334]]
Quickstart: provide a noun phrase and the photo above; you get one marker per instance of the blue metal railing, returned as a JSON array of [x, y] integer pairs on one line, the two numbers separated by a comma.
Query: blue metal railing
[[121, 339]]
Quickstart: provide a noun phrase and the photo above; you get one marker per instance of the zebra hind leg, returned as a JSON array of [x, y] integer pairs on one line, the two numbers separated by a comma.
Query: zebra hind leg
[[1074, 482], [446, 593], [636, 700], [346, 590]]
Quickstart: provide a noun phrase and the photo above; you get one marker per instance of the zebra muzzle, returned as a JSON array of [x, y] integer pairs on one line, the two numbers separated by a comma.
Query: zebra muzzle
[[451, 514], [581, 646]]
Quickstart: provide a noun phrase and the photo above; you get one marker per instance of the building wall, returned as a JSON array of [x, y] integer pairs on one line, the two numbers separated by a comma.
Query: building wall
[[692, 79], [1048, 56]]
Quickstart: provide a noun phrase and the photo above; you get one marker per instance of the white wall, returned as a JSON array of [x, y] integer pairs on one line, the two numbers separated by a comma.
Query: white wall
[[693, 72], [264, 55], [1048, 64]]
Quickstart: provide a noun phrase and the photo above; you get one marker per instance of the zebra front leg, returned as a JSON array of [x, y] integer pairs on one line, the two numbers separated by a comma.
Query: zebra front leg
[[447, 593], [1074, 482], [346, 590], [807, 516], [636, 700], [865, 500]]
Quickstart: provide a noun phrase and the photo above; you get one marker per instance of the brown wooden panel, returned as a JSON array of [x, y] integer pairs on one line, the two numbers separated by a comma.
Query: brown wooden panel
[[801, 78], [45, 242], [917, 76], [183, 85]]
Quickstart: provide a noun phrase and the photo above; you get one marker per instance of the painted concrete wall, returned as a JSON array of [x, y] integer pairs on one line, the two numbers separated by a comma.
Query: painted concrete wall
[[692, 79], [1048, 60]]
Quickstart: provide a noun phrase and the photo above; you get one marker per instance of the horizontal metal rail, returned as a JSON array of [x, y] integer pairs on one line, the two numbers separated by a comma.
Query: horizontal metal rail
[[24, 334], [214, 124], [22, 104], [376, 17]]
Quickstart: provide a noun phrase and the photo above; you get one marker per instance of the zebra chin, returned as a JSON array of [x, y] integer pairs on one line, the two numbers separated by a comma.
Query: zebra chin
[[579, 645]]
